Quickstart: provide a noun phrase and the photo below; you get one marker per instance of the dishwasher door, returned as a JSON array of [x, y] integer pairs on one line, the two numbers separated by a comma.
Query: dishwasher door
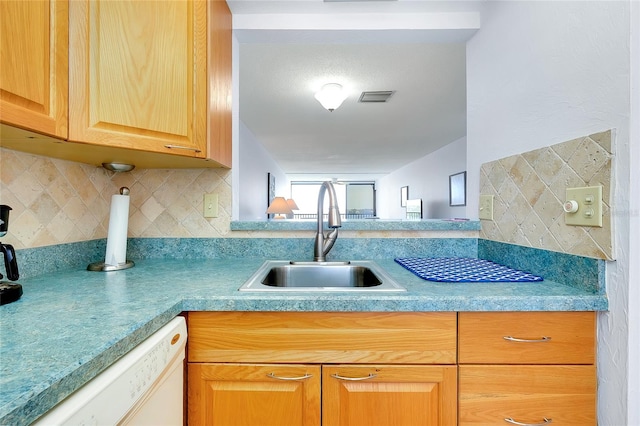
[[144, 387]]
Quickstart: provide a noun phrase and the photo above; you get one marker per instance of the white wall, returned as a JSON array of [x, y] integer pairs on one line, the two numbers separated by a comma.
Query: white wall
[[254, 164], [540, 73], [427, 178]]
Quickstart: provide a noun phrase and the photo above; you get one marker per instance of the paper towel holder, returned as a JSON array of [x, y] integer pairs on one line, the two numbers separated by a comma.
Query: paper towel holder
[[103, 267], [106, 267]]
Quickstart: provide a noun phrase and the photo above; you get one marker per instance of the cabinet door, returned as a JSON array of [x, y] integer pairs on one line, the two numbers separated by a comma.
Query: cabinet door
[[138, 75], [389, 395], [527, 394], [34, 72], [250, 395]]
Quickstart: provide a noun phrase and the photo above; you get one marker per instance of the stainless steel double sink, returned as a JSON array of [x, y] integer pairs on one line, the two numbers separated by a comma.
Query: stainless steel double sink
[[283, 275]]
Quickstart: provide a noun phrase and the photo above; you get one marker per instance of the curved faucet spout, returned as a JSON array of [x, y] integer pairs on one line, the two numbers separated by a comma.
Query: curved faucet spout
[[324, 244]]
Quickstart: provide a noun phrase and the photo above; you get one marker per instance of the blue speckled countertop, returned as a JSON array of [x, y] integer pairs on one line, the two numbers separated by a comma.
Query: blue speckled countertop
[[70, 325]]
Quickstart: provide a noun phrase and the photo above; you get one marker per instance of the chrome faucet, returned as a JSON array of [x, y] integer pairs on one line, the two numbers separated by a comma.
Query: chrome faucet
[[324, 244]]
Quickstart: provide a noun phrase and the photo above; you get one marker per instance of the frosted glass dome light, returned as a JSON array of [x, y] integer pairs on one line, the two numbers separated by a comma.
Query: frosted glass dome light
[[331, 96]]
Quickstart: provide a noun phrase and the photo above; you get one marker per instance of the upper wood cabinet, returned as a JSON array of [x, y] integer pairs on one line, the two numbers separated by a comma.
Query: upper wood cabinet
[[34, 71], [138, 74], [142, 82]]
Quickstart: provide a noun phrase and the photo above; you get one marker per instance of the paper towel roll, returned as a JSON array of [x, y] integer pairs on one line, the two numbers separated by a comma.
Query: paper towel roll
[[117, 235]]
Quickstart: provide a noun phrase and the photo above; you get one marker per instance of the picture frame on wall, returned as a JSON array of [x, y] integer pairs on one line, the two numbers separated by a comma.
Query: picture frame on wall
[[404, 195], [458, 189], [271, 192]]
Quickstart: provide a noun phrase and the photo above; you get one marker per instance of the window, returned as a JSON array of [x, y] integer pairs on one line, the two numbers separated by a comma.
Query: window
[[356, 200]]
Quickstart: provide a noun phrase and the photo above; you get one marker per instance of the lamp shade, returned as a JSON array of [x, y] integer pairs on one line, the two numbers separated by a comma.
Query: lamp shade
[[292, 204], [279, 207], [331, 96]]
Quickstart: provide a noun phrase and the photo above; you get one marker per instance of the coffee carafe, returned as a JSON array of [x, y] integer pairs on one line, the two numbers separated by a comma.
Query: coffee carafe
[[9, 292]]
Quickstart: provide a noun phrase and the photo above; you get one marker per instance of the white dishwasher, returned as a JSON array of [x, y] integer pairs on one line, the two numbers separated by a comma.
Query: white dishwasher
[[144, 387]]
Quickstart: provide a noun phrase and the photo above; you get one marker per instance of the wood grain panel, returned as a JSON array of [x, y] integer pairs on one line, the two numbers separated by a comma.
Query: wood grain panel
[[392, 396], [481, 337], [34, 73], [138, 71], [220, 87], [325, 337], [528, 394], [235, 394]]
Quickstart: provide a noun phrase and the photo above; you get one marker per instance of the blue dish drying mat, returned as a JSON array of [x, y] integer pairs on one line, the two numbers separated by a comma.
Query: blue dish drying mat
[[463, 269]]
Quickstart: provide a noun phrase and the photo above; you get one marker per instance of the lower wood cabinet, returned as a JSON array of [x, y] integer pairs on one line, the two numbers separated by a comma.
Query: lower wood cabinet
[[246, 394], [527, 394], [322, 368], [391, 369], [385, 395], [527, 368], [331, 395]]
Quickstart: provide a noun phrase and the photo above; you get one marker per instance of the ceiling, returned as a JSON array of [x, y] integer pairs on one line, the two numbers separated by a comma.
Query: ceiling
[[287, 55]]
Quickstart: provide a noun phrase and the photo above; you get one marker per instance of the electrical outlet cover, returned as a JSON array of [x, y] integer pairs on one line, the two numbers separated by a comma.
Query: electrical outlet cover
[[210, 205], [589, 200], [486, 207]]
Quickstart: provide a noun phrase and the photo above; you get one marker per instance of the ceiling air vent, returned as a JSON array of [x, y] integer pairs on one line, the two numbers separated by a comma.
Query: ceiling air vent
[[379, 96]]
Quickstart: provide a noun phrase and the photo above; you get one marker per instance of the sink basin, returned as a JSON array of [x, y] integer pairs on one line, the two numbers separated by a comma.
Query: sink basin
[[282, 275]]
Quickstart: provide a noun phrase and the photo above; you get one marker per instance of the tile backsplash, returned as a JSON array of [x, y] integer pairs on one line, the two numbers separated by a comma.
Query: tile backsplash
[[529, 191], [56, 201]]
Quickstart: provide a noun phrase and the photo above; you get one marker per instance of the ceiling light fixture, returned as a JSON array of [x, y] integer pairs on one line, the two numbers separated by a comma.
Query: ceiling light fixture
[[331, 96]]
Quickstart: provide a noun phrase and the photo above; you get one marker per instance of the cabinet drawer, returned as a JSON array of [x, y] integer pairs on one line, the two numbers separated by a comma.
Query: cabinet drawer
[[386, 395], [526, 337], [323, 337], [489, 394]]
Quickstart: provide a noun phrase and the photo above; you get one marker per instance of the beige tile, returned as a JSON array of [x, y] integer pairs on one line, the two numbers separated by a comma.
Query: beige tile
[[61, 190], [27, 188], [532, 189], [604, 139], [498, 175], [548, 208], [588, 159], [603, 178], [520, 172], [548, 165], [519, 208], [565, 150], [507, 225], [534, 230], [60, 227], [138, 223], [25, 228], [11, 166], [44, 208], [566, 235], [151, 209], [508, 162], [567, 178], [44, 171], [508, 191]]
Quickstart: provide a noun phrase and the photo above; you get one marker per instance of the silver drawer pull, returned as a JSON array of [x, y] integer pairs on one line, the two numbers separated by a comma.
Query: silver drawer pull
[[273, 376], [546, 421], [354, 379], [515, 339], [182, 147]]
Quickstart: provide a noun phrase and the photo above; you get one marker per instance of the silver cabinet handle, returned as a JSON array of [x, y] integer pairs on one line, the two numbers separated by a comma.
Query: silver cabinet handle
[[546, 421], [182, 147], [273, 376], [515, 339], [353, 379]]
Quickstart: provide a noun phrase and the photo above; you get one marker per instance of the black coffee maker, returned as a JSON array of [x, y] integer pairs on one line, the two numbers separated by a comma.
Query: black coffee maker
[[9, 292]]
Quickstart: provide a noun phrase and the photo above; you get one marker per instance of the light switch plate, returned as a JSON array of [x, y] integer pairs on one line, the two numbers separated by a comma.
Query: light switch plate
[[486, 207], [210, 205], [589, 200]]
